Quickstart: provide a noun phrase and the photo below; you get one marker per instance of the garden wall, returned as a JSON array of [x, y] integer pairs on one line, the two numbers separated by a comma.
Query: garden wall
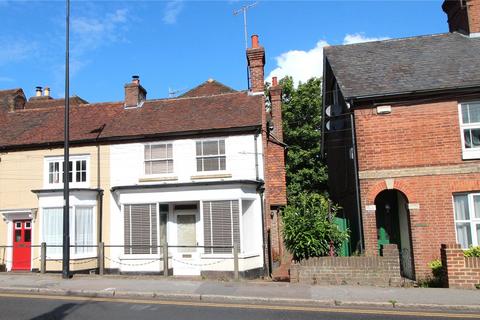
[[460, 271], [362, 270]]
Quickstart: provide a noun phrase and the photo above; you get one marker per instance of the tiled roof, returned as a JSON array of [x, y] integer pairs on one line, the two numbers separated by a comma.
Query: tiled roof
[[41, 126], [425, 63], [208, 88], [35, 103]]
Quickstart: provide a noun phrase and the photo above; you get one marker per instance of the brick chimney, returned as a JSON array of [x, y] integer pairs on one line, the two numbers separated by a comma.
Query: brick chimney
[[276, 108], [463, 16], [135, 94], [256, 63]]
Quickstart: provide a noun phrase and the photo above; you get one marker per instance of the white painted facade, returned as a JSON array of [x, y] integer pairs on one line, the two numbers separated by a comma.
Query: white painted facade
[[185, 185]]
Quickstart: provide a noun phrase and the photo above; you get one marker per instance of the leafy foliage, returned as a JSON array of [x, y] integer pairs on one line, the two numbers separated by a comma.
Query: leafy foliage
[[301, 111], [472, 252], [308, 228], [437, 279]]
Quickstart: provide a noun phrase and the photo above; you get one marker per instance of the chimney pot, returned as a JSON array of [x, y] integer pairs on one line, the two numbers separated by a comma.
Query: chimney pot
[[46, 92], [38, 91], [255, 41], [274, 81], [136, 79]]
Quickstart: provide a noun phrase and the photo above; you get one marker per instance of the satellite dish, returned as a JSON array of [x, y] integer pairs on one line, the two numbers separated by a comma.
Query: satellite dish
[[333, 110], [335, 124]]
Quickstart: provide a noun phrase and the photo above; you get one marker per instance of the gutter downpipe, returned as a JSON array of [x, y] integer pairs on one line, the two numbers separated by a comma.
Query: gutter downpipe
[[266, 269], [357, 180], [322, 90], [255, 138], [261, 190]]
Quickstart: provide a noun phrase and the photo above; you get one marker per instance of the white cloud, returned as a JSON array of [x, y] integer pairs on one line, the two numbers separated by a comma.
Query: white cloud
[[89, 33], [15, 50], [172, 10], [303, 65], [360, 38]]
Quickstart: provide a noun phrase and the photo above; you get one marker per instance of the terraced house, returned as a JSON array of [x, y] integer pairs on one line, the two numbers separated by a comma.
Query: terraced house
[[202, 172], [403, 139]]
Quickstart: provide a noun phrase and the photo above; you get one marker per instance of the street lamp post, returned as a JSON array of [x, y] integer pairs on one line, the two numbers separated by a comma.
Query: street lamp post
[[66, 156]]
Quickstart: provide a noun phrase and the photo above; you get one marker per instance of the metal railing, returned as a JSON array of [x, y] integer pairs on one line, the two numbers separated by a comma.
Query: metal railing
[[162, 252]]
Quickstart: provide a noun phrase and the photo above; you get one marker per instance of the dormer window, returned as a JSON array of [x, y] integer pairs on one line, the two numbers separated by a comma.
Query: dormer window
[[470, 129]]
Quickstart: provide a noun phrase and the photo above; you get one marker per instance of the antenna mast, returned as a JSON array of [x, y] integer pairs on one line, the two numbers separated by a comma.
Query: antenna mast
[[244, 10]]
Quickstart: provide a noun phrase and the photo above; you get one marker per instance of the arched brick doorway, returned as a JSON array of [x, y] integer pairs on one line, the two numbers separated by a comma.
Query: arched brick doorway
[[393, 226]]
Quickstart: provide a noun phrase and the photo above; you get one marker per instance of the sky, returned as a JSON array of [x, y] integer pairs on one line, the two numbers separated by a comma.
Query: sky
[[176, 45]]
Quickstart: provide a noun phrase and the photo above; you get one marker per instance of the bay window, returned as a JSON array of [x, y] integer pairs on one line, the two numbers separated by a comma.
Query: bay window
[[82, 230], [467, 219], [141, 225], [221, 225]]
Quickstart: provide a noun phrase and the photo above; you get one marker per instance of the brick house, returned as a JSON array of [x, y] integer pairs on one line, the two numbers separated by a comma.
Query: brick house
[[201, 169], [402, 139]]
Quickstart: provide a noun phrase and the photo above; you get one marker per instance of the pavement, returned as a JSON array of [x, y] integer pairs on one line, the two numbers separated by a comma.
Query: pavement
[[254, 292]]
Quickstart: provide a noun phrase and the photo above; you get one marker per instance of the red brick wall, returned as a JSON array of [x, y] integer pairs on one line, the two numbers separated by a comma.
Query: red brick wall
[[432, 224], [461, 272], [417, 135], [473, 7], [357, 270], [414, 136]]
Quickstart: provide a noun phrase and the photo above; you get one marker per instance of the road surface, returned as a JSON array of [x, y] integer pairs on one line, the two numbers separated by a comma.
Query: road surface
[[36, 307]]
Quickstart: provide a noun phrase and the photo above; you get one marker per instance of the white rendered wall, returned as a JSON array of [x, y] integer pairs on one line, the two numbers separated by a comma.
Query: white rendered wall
[[250, 225], [127, 162]]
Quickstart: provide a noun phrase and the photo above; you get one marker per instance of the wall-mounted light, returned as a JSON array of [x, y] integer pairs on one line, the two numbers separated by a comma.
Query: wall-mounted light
[[384, 109], [387, 208]]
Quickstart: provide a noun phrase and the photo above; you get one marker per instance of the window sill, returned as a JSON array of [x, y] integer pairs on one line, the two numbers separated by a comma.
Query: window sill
[[71, 185], [158, 178], [212, 176], [75, 257], [466, 155], [228, 256], [140, 256]]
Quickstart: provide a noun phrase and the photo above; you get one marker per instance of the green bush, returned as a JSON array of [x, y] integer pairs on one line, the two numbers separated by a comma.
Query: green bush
[[472, 252], [438, 275], [308, 226]]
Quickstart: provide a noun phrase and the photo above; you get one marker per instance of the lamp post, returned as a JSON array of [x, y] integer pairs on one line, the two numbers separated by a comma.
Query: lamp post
[[66, 156]]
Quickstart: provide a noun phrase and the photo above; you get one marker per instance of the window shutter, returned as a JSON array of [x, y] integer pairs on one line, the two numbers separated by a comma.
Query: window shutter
[[126, 229], [236, 223], [207, 225], [221, 225], [142, 221]]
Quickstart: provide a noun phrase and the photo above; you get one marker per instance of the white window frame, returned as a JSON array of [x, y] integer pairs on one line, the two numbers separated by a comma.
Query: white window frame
[[473, 221], [471, 153], [74, 183], [211, 156], [144, 173], [73, 254]]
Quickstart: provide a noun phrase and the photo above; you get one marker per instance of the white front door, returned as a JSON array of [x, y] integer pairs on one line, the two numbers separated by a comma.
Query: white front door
[[186, 260]]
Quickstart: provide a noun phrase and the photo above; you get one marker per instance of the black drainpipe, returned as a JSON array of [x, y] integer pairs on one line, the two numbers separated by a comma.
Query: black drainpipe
[[357, 180]]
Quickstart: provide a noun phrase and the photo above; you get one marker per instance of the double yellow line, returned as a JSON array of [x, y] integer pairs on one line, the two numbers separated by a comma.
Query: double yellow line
[[249, 306]]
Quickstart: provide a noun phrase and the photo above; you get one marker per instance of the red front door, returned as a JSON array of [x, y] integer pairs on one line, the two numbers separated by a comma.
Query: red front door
[[22, 239]]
